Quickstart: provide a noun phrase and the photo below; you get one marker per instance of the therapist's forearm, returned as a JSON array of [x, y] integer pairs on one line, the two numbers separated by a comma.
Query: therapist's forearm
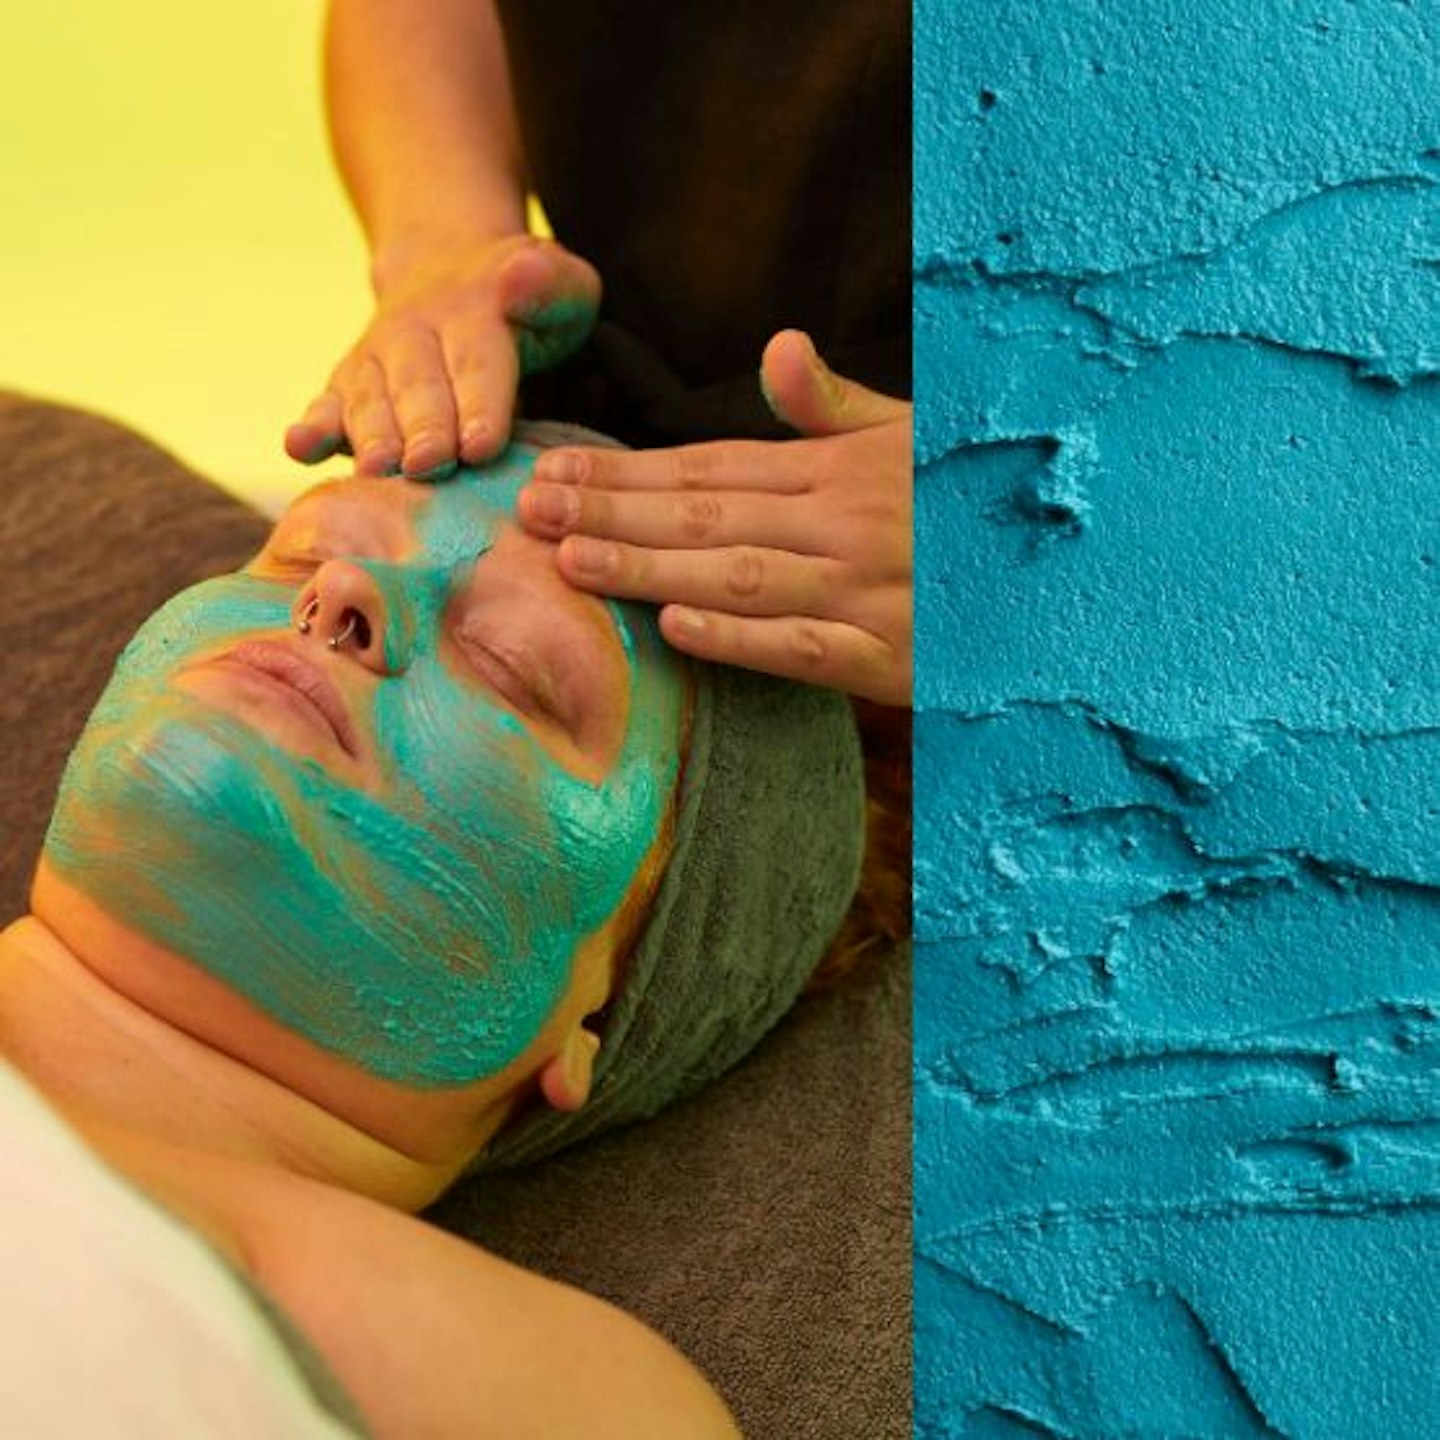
[[423, 126]]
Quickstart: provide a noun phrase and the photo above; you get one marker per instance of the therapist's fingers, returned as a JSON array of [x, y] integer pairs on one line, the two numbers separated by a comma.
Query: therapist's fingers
[[352, 414], [745, 579], [802, 390], [673, 520], [484, 370], [418, 384], [370, 421], [550, 296], [320, 432], [432, 378], [796, 647], [779, 467]]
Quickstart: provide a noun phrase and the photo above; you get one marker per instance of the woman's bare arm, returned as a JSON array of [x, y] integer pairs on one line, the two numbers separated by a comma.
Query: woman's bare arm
[[431, 1335]]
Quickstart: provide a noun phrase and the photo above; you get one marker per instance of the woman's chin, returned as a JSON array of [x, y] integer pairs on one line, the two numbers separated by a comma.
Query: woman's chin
[[198, 1027]]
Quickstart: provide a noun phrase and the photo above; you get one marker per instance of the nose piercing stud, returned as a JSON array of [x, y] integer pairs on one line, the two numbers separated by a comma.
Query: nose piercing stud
[[307, 615], [344, 632]]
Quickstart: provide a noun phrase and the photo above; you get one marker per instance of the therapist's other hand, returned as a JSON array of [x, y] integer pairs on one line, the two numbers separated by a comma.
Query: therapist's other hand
[[432, 380], [793, 557]]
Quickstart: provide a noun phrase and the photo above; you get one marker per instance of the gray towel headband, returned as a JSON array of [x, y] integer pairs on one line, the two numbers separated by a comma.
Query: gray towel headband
[[769, 839]]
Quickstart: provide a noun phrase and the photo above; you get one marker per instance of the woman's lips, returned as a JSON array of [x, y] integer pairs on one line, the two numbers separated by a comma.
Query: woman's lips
[[302, 678]]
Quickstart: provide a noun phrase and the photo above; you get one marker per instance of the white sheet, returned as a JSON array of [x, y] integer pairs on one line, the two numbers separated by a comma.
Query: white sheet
[[117, 1321]]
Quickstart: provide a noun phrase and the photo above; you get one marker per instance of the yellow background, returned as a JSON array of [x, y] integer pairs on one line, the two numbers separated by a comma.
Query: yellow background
[[176, 250]]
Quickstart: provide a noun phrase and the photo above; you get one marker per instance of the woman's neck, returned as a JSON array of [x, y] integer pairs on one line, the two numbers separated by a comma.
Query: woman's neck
[[118, 1069]]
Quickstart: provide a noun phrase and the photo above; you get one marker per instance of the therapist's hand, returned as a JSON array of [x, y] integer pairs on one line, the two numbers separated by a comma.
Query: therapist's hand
[[433, 378], [792, 557]]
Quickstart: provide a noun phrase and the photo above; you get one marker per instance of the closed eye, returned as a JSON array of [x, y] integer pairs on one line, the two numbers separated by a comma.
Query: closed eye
[[516, 673]]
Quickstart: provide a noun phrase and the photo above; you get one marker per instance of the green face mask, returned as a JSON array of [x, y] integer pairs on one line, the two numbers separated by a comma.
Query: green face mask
[[426, 931]]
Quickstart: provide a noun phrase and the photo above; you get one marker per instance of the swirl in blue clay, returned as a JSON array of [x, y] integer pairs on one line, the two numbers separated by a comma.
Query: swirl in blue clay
[[1177, 1050], [425, 932]]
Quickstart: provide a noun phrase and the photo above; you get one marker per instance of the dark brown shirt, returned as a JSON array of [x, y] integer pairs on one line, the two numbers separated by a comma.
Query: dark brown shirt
[[731, 167]]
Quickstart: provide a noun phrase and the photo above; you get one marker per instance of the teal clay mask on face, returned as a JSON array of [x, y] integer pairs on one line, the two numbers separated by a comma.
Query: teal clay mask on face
[[409, 891]]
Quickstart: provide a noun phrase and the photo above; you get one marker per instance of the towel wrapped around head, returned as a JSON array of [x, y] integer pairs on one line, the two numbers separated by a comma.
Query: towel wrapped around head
[[769, 838]]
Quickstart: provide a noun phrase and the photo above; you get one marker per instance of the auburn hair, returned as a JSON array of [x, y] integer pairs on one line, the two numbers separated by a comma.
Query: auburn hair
[[879, 916]]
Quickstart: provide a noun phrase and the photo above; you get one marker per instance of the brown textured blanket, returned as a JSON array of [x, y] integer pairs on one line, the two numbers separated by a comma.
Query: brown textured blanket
[[763, 1226]]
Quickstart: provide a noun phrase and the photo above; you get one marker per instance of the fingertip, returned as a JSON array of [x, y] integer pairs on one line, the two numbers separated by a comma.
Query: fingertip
[[587, 562], [708, 635], [427, 457], [308, 444], [543, 511], [524, 277], [563, 467], [789, 346], [319, 432], [528, 511], [684, 626], [480, 446], [481, 440], [438, 470], [789, 370], [299, 443], [378, 458], [525, 511]]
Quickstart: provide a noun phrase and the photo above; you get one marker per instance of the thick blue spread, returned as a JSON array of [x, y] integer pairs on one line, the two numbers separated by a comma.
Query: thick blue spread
[[1177, 308]]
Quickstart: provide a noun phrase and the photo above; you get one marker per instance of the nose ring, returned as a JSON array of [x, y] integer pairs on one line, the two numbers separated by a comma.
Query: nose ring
[[307, 615], [347, 628], [344, 632]]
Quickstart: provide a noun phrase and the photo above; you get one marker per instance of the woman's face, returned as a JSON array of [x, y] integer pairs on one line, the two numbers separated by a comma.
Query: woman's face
[[395, 844]]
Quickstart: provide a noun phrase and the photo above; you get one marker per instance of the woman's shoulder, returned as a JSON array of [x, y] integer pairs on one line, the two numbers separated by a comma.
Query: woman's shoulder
[[430, 1333], [427, 1333]]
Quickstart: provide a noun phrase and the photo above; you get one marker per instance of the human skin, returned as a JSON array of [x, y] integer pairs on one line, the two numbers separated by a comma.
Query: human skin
[[429, 1334], [809, 576], [422, 864], [462, 292], [435, 852], [298, 1163], [794, 558]]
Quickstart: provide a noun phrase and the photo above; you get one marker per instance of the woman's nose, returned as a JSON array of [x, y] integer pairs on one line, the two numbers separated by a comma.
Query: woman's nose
[[344, 608]]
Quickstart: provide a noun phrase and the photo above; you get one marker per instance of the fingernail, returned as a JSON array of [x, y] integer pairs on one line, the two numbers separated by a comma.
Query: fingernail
[[473, 437], [687, 623], [553, 504], [426, 457], [592, 557], [323, 444], [377, 458], [561, 467], [303, 444]]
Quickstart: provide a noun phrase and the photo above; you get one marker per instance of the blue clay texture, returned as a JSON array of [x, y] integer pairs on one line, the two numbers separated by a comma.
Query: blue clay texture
[[1177, 886]]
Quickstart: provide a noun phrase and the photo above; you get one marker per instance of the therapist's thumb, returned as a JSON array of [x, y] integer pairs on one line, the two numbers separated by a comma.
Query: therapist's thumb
[[551, 296], [805, 393], [540, 275]]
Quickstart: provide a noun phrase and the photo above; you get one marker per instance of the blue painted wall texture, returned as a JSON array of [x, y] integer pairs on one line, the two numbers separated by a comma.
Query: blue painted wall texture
[[1177, 310]]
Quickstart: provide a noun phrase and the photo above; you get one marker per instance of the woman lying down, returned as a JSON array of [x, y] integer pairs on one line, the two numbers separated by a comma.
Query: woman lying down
[[383, 859]]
